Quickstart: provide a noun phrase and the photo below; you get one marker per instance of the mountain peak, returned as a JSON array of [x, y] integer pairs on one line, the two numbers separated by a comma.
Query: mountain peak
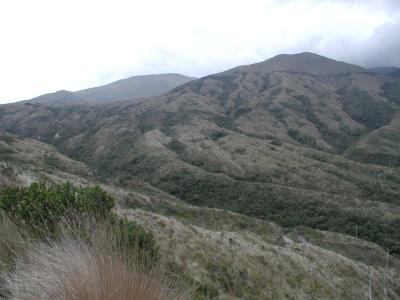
[[305, 62]]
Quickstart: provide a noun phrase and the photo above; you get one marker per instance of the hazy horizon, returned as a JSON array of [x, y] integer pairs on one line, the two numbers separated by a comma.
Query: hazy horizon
[[72, 45], [133, 75]]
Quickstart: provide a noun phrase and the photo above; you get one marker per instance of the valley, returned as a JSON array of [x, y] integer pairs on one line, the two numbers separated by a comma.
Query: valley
[[286, 170]]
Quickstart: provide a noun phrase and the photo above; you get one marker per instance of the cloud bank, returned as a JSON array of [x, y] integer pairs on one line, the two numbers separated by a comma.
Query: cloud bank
[[49, 45]]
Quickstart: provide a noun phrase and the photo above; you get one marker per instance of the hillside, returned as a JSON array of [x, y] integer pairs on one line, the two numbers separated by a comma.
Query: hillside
[[297, 139], [300, 263], [227, 254], [132, 88], [395, 74], [387, 71], [23, 161]]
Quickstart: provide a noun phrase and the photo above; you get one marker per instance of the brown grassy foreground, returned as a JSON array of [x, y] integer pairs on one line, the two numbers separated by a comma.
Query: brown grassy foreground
[[85, 261]]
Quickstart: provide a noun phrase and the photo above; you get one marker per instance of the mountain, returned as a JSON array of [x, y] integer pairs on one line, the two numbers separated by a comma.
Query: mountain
[[384, 70], [132, 88], [300, 140], [307, 63], [219, 253]]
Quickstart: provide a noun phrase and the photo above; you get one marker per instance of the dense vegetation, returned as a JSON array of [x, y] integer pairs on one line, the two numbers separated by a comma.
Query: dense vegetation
[[292, 209], [391, 90], [63, 242], [39, 209], [253, 142], [363, 108]]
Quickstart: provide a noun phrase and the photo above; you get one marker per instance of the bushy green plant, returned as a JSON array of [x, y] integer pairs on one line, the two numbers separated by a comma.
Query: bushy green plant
[[130, 235], [39, 209]]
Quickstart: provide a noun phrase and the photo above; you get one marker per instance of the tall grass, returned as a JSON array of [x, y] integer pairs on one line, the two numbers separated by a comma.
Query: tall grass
[[12, 243], [87, 260]]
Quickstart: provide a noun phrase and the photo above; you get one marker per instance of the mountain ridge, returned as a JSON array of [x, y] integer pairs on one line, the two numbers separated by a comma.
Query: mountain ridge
[[132, 88], [305, 62], [294, 148], [137, 87], [289, 178]]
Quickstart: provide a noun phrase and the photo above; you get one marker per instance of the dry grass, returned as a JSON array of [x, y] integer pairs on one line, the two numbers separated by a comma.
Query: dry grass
[[12, 241], [76, 268]]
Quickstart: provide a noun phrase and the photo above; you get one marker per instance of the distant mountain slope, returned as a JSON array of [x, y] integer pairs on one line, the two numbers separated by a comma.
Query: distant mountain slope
[[218, 253], [306, 62], [384, 70], [395, 74], [297, 139], [132, 88], [57, 98]]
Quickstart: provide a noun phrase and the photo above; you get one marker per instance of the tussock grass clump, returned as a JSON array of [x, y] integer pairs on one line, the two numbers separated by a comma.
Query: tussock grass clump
[[82, 268], [63, 242]]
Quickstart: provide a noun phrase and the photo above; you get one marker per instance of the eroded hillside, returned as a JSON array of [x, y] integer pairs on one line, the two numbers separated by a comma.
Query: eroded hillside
[[299, 140], [220, 254]]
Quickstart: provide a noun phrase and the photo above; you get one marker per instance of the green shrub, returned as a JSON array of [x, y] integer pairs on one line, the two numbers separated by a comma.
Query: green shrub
[[40, 210], [130, 235], [40, 207]]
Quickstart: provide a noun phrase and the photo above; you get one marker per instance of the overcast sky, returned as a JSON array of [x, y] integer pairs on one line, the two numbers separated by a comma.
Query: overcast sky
[[48, 45]]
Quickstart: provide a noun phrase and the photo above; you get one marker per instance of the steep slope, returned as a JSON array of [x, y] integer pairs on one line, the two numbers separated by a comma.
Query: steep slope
[[291, 139], [132, 88], [23, 161], [251, 258], [227, 255]]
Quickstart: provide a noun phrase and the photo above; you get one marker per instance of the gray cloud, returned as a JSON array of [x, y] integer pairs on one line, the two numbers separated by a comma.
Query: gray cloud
[[44, 49], [383, 49]]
